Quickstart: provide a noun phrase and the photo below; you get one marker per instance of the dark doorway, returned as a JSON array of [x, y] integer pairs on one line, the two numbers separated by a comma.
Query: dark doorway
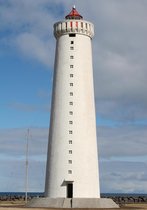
[[69, 190]]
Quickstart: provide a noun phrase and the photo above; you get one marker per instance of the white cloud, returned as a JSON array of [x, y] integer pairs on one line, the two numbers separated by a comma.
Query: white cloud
[[13, 157], [15, 172], [123, 141], [27, 27], [33, 47], [24, 107], [119, 60], [122, 153], [123, 177], [13, 142]]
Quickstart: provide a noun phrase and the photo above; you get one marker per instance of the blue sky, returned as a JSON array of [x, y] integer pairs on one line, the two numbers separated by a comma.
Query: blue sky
[[23, 91], [27, 49]]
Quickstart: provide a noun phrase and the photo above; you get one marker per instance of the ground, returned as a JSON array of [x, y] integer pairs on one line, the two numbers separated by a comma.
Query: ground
[[20, 205]]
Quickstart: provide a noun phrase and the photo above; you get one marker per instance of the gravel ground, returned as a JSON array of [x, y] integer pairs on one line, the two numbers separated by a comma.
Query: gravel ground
[[127, 207]]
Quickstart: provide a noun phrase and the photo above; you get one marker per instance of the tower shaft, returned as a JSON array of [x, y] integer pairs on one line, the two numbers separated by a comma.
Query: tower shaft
[[72, 163]]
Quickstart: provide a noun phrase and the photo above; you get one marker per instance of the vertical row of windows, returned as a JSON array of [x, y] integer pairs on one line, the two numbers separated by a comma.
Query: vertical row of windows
[[71, 103]]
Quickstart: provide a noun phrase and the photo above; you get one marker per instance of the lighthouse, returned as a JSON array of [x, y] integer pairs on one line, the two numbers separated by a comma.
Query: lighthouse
[[72, 165], [72, 174]]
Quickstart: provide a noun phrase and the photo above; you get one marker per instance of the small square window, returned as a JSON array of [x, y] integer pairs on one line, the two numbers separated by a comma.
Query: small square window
[[70, 122], [70, 171], [72, 35], [71, 112], [71, 75], [70, 141], [70, 151], [71, 57], [71, 48], [70, 132], [70, 103], [71, 93], [70, 161], [71, 66], [71, 84], [72, 42]]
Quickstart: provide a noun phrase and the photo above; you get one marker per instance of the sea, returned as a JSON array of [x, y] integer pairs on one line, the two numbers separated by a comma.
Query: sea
[[32, 194], [41, 194]]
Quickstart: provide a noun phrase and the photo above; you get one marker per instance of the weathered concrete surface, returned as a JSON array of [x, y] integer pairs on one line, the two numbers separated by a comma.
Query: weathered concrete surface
[[72, 203], [93, 203], [50, 202]]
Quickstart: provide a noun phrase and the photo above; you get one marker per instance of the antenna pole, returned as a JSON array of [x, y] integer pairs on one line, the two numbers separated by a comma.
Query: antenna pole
[[27, 150]]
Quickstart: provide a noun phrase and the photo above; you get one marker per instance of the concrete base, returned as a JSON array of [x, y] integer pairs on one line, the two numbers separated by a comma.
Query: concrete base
[[72, 203]]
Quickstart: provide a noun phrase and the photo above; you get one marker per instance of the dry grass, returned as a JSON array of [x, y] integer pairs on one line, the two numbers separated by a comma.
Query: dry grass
[[23, 208], [136, 205], [12, 203]]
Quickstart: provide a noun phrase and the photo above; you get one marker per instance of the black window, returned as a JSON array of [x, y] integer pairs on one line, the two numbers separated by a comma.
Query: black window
[[72, 35]]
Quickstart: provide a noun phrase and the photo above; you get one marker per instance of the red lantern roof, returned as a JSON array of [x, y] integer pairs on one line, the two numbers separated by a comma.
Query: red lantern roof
[[74, 14]]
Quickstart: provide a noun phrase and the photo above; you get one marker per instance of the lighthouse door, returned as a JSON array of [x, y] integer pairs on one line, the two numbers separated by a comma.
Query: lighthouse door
[[69, 190]]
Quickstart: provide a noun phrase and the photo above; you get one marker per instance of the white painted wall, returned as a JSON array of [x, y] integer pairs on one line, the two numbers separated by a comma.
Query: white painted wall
[[85, 175]]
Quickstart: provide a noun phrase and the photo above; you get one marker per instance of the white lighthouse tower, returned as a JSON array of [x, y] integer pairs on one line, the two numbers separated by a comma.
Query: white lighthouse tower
[[72, 166], [72, 175]]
